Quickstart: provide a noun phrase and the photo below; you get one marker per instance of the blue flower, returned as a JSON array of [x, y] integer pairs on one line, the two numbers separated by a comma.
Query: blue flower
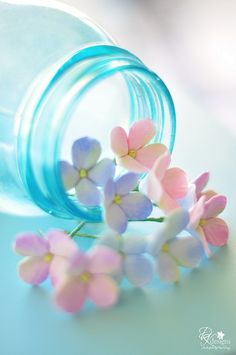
[[137, 267], [121, 204], [171, 250], [87, 174]]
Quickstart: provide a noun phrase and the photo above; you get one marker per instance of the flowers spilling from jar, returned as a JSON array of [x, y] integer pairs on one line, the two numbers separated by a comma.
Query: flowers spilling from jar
[[137, 185]]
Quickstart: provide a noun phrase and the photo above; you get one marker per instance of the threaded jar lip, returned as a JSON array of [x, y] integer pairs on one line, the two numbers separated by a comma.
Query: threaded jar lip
[[65, 83]]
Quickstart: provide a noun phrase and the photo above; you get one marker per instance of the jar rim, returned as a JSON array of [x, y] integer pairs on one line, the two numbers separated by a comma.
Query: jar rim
[[103, 61]]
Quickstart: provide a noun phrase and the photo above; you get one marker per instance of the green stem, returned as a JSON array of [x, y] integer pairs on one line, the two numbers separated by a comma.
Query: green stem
[[76, 229], [85, 235], [151, 219]]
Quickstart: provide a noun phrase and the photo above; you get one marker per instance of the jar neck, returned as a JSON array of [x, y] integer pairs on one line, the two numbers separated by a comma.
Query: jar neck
[[47, 109]]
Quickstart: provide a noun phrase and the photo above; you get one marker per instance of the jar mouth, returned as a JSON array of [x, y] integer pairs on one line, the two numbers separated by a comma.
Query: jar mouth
[[47, 110]]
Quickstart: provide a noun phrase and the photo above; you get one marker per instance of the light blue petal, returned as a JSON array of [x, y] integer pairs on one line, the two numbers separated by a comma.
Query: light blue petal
[[85, 152], [109, 192], [111, 241], [69, 174], [166, 268], [102, 172], [136, 205], [126, 183], [138, 270], [176, 222], [134, 244], [116, 218], [87, 193], [188, 251]]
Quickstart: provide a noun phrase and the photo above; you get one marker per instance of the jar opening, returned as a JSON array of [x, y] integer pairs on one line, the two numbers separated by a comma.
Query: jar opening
[[88, 94]]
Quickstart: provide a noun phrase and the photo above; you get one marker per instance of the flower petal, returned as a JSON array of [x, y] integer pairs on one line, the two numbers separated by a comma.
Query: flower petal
[[103, 291], [167, 269], [30, 244], [214, 206], [201, 181], [140, 133], [188, 251], [109, 192], [33, 270], [112, 241], [138, 270], [216, 232], [60, 243], [189, 200], [161, 165], [126, 183], [85, 152], [134, 244], [131, 164], [58, 269], [167, 203], [147, 156], [196, 213], [116, 218], [136, 205], [175, 183], [199, 233], [119, 141], [70, 294], [102, 172], [69, 174], [151, 187], [87, 193], [103, 259], [175, 223], [77, 263]]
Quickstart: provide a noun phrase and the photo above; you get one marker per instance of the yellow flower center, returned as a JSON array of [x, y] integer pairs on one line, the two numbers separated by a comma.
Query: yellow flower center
[[83, 173], [117, 199], [132, 153], [165, 248], [202, 222], [85, 277], [48, 257]]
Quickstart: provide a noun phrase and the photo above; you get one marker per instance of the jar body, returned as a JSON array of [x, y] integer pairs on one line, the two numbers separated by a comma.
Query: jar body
[[63, 78], [32, 38]]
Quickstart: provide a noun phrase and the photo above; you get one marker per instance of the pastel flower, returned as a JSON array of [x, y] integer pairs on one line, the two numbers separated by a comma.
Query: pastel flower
[[164, 185], [171, 250], [205, 221], [43, 256], [200, 183], [136, 265], [87, 276], [121, 204], [132, 151], [87, 174]]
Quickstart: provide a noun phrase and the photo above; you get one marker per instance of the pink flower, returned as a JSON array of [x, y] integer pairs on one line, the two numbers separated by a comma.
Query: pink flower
[[44, 256], [164, 185], [87, 276], [204, 219], [132, 151]]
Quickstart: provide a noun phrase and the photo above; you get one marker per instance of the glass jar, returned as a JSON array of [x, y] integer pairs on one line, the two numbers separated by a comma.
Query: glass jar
[[63, 77]]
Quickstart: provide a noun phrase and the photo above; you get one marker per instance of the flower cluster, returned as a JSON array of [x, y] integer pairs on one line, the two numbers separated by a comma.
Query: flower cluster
[[190, 231]]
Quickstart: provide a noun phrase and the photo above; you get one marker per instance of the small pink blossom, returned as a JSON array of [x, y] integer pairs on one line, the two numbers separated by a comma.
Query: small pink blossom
[[43, 256], [164, 185], [132, 151], [205, 221], [87, 276]]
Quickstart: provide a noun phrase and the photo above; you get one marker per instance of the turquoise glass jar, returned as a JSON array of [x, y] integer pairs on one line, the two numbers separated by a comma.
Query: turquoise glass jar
[[63, 77]]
